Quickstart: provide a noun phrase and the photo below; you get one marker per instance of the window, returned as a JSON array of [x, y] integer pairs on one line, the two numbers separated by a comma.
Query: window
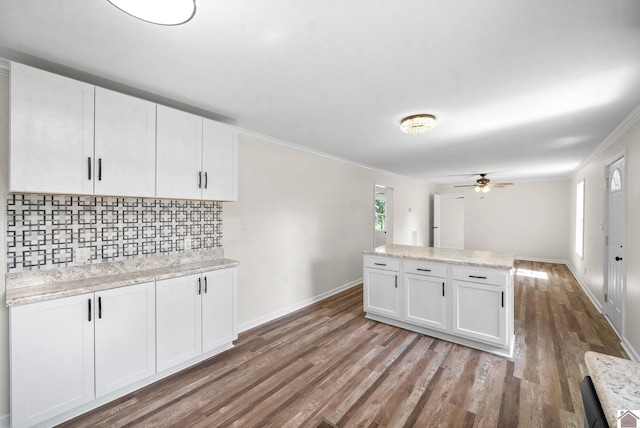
[[616, 180], [380, 213], [580, 219]]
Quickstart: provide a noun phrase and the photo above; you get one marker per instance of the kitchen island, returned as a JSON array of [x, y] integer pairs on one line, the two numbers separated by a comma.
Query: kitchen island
[[461, 296]]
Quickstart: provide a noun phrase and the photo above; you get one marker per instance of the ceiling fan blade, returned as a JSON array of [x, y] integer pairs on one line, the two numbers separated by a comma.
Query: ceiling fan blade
[[500, 184], [466, 185]]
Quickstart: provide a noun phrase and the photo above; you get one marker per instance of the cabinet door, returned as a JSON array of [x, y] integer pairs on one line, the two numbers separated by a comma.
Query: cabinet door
[[51, 132], [179, 154], [425, 301], [218, 308], [179, 317], [125, 145], [381, 293], [51, 358], [219, 161], [479, 312], [124, 336]]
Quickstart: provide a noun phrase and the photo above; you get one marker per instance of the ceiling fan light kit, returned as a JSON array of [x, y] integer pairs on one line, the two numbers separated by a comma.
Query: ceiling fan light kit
[[483, 184], [161, 12], [418, 123]]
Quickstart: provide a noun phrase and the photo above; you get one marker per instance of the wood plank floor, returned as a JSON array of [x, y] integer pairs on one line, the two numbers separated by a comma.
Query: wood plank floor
[[327, 362]]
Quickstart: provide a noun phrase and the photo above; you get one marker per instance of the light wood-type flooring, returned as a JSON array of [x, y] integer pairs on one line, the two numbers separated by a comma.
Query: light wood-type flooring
[[328, 362]]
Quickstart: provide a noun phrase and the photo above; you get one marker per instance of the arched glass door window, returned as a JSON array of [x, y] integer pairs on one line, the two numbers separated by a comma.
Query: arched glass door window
[[616, 180]]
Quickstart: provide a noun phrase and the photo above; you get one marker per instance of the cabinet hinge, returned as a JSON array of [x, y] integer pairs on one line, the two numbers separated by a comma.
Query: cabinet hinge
[[606, 183], [606, 240], [606, 297]]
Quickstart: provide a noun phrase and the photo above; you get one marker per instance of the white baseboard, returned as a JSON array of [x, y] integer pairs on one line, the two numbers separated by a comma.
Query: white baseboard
[[535, 259], [631, 352], [591, 297], [286, 311]]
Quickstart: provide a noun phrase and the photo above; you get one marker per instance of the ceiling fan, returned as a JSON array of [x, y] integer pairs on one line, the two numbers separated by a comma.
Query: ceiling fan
[[483, 184]]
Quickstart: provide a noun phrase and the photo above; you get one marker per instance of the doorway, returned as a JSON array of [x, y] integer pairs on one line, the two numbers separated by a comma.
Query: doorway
[[615, 227], [383, 215], [448, 220]]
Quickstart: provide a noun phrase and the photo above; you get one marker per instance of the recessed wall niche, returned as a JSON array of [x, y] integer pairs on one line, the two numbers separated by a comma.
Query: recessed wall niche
[[46, 231]]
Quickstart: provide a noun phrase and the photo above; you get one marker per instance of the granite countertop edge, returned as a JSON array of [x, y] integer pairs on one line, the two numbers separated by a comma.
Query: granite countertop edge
[[460, 257], [50, 290], [617, 383]]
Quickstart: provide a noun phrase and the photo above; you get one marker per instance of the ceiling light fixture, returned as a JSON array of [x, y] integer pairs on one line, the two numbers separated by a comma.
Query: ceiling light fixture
[[418, 123], [161, 12]]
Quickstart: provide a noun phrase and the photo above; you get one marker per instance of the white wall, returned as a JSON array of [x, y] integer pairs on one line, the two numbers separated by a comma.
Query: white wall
[[529, 219], [590, 270], [4, 186], [310, 218]]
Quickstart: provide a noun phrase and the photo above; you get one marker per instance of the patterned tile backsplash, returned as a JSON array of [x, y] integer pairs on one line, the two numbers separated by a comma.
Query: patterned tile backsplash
[[46, 231]]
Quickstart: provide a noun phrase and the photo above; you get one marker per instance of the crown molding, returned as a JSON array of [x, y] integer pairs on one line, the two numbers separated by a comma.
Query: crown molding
[[272, 140], [623, 127]]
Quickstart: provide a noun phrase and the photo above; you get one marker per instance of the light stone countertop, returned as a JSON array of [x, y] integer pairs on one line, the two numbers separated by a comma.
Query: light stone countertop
[[40, 285], [617, 382], [443, 255]]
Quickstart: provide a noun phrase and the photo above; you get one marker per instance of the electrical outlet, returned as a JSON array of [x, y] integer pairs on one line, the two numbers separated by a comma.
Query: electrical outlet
[[187, 244], [83, 254]]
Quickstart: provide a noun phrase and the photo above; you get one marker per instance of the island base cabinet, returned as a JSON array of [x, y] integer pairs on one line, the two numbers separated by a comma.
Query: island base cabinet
[[425, 301], [52, 358], [480, 312], [381, 293]]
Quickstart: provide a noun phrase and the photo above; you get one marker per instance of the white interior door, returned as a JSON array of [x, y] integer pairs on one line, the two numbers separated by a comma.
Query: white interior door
[[615, 265], [436, 220], [383, 215], [448, 220]]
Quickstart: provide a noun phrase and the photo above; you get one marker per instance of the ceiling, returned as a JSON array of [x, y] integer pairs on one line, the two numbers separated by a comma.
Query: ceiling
[[526, 90]]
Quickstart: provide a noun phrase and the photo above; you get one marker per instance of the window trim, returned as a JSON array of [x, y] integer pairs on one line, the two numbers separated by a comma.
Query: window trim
[[580, 198]]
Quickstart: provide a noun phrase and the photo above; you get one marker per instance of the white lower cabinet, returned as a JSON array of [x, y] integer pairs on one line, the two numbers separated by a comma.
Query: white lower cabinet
[[72, 354], [195, 315], [382, 287], [469, 305], [125, 346], [425, 301], [52, 358], [67, 352], [480, 312]]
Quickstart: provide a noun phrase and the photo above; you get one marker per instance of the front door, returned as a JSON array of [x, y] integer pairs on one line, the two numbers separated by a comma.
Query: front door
[[616, 221]]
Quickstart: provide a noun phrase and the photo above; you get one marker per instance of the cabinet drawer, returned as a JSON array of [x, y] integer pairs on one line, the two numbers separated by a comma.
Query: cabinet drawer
[[382, 263], [425, 268], [481, 276]]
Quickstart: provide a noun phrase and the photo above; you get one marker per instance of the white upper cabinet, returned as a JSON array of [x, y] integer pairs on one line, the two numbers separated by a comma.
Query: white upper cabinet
[[70, 137], [219, 161], [125, 145], [197, 158], [179, 160], [51, 132]]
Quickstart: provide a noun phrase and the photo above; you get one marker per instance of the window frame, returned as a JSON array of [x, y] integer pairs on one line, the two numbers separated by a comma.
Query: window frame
[[580, 199]]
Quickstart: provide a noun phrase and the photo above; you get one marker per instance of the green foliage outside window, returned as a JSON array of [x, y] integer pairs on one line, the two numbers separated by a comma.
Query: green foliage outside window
[[380, 213]]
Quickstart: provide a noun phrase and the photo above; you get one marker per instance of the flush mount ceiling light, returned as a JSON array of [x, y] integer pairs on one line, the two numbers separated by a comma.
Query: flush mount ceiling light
[[418, 123], [161, 12]]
